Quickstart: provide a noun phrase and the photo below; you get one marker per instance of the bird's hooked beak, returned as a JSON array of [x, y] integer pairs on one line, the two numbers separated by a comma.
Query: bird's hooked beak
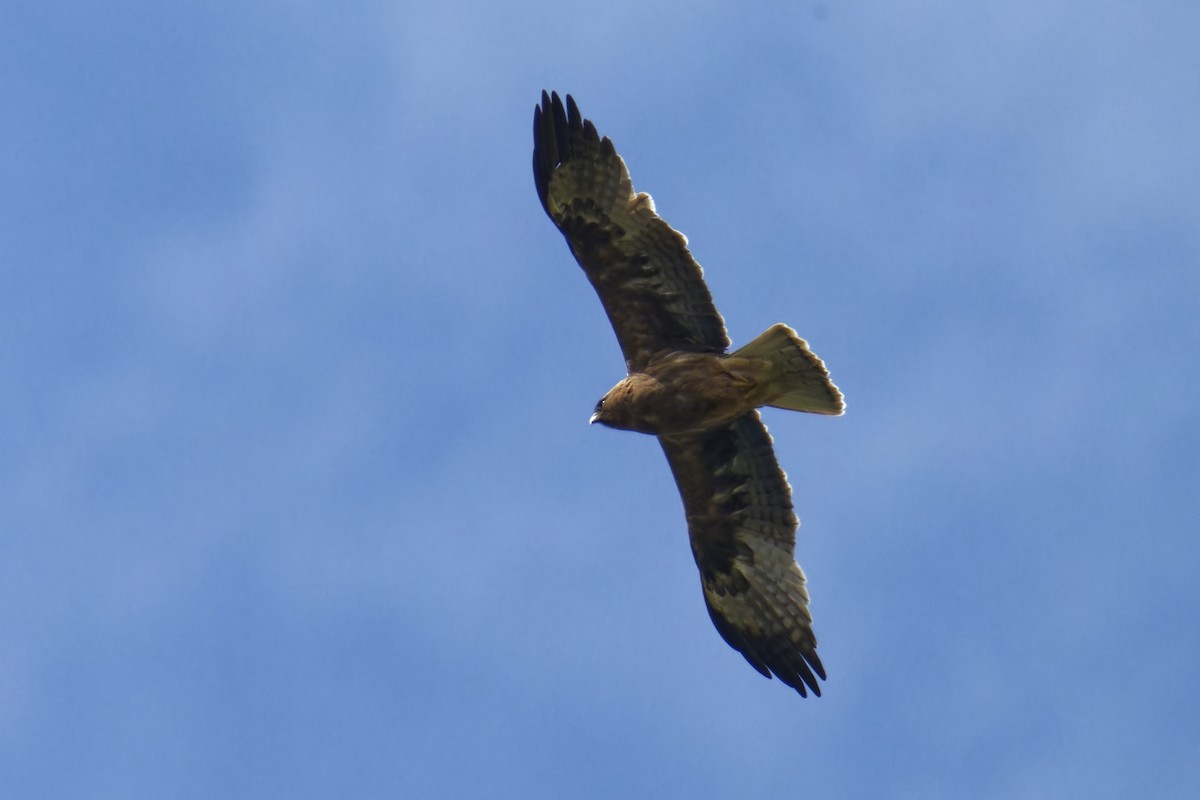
[[595, 417]]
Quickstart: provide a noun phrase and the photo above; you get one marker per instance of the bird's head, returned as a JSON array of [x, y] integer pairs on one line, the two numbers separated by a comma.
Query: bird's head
[[607, 412], [623, 406]]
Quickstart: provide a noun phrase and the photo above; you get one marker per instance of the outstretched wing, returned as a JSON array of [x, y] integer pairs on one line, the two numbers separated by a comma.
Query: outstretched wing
[[743, 534], [652, 289]]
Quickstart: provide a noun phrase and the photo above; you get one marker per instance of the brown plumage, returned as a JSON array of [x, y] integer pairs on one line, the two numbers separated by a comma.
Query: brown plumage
[[698, 400]]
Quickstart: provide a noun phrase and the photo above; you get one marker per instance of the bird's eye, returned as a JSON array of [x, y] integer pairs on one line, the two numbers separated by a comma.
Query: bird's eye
[[600, 405]]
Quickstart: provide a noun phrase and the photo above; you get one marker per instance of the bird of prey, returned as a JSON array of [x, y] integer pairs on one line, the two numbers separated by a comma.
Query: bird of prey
[[685, 388]]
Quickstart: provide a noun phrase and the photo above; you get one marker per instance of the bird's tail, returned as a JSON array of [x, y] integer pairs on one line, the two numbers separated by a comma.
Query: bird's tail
[[798, 379]]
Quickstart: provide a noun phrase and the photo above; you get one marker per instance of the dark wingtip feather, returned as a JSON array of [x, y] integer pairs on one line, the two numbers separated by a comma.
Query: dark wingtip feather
[[575, 119], [545, 154], [815, 662], [589, 131], [560, 115], [559, 131], [772, 659], [796, 668], [551, 146]]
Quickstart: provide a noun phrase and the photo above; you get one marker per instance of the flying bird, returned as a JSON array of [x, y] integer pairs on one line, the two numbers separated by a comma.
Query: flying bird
[[700, 400]]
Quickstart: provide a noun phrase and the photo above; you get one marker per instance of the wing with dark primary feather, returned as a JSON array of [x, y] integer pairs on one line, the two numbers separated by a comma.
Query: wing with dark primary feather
[[651, 287], [743, 534]]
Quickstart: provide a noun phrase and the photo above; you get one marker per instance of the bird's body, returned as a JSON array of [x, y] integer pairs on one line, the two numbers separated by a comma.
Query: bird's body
[[698, 399], [681, 393], [688, 392]]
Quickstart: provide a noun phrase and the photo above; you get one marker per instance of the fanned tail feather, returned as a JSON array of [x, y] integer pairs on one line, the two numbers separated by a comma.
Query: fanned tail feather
[[798, 380]]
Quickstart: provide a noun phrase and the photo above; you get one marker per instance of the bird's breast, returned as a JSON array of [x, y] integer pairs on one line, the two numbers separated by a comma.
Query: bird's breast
[[689, 392]]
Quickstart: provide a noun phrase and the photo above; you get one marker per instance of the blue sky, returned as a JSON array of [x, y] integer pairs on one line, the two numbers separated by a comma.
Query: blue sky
[[297, 492]]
